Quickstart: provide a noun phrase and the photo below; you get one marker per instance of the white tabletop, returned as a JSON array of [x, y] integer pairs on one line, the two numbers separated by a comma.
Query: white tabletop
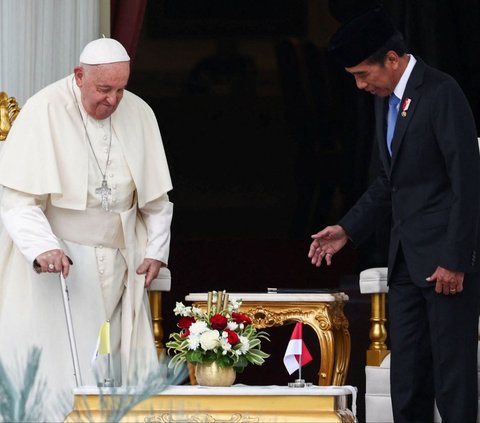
[[275, 297], [238, 389]]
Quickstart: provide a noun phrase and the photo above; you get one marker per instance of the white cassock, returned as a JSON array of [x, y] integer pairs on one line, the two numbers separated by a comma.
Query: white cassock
[[49, 177]]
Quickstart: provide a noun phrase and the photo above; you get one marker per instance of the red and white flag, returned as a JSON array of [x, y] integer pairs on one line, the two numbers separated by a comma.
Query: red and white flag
[[296, 351]]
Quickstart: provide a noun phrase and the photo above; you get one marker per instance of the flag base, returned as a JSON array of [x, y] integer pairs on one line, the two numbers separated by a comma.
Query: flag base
[[299, 383], [107, 383]]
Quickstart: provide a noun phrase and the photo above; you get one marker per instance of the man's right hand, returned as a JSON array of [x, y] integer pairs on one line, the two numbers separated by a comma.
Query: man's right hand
[[326, 243], [53, 261]]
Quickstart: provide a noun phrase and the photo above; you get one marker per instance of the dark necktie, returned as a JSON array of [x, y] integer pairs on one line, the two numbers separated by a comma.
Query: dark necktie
[[391, 119]]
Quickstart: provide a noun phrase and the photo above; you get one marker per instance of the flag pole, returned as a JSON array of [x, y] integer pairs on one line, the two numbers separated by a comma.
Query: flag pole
[[300, 365], [71, 334], [300, 383], [108, 382]]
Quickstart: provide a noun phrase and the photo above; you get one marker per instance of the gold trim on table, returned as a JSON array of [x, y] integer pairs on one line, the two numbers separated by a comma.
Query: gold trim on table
[[238, 403]]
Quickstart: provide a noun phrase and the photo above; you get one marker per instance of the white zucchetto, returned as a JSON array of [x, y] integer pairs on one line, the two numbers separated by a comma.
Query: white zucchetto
[[103, 50]]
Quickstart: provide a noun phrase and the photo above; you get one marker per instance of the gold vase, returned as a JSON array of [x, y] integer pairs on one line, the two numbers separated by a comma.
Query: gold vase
[[210, 374]]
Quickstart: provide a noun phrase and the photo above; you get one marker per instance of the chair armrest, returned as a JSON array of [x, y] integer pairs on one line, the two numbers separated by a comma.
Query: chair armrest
[[163, 282], [374, 280]]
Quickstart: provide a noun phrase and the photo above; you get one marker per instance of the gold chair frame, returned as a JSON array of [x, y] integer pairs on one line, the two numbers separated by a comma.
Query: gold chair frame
[[9, 110]]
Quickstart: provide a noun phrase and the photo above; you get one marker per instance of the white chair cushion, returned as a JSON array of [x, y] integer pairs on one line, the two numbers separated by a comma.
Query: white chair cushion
[[163, 282], [374, 280], [378, 409], [377, 380]]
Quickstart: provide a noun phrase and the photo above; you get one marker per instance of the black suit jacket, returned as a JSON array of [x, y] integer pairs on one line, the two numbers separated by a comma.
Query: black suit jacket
[[431, 184]]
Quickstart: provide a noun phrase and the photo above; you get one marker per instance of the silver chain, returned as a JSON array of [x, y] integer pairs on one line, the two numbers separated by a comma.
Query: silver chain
[[104, 174]]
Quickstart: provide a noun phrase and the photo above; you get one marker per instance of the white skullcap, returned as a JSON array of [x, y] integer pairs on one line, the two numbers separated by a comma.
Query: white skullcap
[[103, 50]]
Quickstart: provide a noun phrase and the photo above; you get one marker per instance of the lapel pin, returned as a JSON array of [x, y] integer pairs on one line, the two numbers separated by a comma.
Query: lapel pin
[[405, 106]]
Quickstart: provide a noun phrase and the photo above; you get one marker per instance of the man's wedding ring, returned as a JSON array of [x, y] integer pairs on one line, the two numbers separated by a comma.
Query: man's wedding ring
[[51, 267], [452, 291]]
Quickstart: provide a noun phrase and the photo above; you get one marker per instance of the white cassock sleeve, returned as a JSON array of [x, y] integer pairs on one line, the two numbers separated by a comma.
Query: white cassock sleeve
[[157, 215], [23, 218]]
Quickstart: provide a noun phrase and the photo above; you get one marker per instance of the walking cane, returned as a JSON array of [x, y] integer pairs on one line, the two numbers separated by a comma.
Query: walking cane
[[71, 334]]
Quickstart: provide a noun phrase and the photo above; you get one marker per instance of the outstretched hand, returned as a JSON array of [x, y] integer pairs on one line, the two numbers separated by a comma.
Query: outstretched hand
[[326, 243]]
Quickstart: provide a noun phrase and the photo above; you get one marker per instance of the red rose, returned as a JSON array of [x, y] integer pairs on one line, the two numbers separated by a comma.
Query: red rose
[[241, 318], [185, 333], [232, 337], [218, 322], [185, 322]]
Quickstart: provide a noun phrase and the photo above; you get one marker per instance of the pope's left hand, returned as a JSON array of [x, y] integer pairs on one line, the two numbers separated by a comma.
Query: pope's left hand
[[150, 268], [447, 282]]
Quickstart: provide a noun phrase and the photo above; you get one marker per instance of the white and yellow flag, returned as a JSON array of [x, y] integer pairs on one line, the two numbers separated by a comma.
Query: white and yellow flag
[[103, 341]]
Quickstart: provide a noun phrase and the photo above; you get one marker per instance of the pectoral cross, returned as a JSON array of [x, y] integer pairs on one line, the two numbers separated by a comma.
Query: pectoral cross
[[104, 192]]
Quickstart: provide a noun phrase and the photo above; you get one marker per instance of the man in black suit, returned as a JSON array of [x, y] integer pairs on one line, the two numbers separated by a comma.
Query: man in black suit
[[430, 182]]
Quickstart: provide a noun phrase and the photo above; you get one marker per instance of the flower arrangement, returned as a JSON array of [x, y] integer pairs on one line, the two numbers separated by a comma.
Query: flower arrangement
[[221, 334]]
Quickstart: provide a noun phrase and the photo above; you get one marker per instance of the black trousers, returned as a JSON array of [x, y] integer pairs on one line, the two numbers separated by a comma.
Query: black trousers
[[434, 341]]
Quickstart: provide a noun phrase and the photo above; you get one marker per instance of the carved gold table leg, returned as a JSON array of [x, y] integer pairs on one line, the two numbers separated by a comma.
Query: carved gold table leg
[[329, 324], [342, 345], [377, 350], [331, 327], [327, 347]]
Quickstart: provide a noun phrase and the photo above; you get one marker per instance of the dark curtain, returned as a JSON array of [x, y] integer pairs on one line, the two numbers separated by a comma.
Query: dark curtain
[[446, 35], [126, 22]]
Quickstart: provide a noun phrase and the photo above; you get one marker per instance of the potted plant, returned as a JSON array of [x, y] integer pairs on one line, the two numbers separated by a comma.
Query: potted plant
[[220, 341]]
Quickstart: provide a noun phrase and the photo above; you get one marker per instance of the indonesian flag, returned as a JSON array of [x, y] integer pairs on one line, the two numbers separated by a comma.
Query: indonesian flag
[[296, 351]]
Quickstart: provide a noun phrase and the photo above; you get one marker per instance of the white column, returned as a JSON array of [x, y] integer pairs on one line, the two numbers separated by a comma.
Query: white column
[[40, 40]]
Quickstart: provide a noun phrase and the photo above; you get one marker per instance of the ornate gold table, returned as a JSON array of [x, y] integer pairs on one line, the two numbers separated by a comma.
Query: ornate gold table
[[322, 312], [238, 403]]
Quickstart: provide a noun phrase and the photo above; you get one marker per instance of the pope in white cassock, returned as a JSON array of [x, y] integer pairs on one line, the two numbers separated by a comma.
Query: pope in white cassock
[[85, 181]]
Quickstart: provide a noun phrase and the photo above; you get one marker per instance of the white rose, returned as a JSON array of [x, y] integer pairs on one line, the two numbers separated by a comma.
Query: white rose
[[198, 327], [209, 340]]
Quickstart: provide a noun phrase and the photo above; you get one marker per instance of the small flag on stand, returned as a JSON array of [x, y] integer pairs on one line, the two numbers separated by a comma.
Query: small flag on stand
[[103, 342], [103, 348], [297, 354]]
